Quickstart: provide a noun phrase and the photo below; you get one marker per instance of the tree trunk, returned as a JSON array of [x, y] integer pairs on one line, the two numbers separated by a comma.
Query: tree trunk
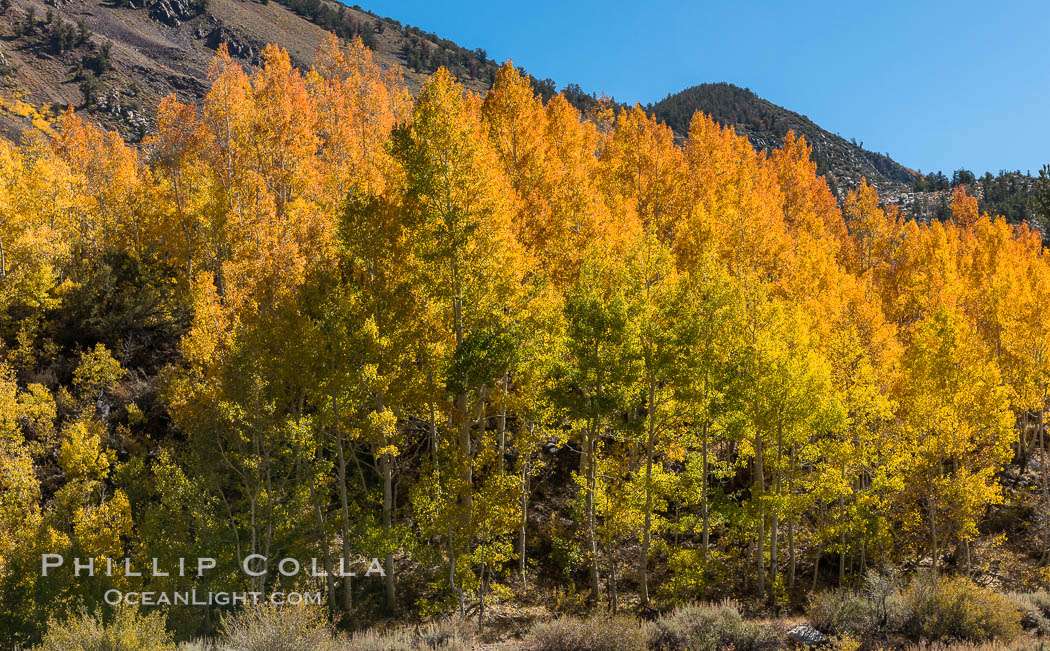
[[389, 592], [466, 493], [1046, 484], [526, 480], [758, 496], [592, 477], [643, 564], [481, 598], [791, 526], [842, 533], [705, 509], [322, 538], [816, 567], [503, 423], [933, 533], [344, 506], [775, 527]]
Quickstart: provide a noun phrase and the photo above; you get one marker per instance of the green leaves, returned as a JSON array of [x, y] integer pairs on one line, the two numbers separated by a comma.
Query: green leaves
[[480, 361]]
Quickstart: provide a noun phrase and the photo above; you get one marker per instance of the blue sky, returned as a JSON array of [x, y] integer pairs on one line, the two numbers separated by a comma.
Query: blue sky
[[937, 85]]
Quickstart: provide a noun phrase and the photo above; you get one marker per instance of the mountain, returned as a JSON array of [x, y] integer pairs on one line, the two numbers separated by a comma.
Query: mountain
[[844, 163], [115, 59]]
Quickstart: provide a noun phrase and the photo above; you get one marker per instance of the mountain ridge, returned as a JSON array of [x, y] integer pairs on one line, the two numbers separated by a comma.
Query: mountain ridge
[[765, 124], [116, 59]]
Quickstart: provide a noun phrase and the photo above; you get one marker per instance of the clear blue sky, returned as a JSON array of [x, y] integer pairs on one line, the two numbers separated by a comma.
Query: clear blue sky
[[938, 85]]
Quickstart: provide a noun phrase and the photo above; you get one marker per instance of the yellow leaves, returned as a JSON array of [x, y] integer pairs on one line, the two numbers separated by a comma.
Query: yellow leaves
[[382, 424], [19, 505], [19, 487], [461, 207], [9, 408], [340, 242], [81, 456], [41, 118], [207, 337], [26, 417], [96, 372], [99, 530], [37, 413], [956, 424], [35, 235]]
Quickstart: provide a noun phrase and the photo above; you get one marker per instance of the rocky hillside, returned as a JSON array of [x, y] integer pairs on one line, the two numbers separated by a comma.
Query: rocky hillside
[[843, 162], [117, 58]]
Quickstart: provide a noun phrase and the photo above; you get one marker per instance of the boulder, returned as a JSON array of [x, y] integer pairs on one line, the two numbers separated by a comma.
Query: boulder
[[806, 635]]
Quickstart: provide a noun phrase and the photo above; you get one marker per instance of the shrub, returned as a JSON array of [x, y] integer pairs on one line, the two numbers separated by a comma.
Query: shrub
[[129, 631], [845, 643], [276, 628], [1040, 601], [957, 609], [591, 634], [708, 627], [374, 640], [569, 602], [1034, 608], [445, 635], [884, 601], [839, 611]]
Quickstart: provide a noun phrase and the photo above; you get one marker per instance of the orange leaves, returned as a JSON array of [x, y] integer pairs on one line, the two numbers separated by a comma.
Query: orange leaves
[[357, 104], [282, 151], [645, 178], [549, 156], [964, 208], [809, 205], [735, 203], [515, 120], [579, 216], [109, 178]]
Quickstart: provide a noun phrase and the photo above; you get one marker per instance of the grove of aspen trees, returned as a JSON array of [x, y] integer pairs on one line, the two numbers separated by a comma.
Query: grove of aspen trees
[[500, 346]]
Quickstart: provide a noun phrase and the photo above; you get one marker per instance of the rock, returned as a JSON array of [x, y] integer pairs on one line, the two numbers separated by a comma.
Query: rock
[[173, 12], [807, 635], [236, 45]]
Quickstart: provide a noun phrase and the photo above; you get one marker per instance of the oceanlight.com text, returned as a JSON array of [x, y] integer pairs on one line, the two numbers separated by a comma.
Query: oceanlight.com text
[[193, 598]]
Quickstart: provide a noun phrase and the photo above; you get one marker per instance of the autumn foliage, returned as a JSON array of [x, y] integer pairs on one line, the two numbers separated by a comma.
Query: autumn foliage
[[493, 343]]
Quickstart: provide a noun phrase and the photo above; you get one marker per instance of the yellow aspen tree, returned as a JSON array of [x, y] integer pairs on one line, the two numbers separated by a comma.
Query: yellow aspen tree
[[647, 176], [462, 215], [178, 163], [110, 178]]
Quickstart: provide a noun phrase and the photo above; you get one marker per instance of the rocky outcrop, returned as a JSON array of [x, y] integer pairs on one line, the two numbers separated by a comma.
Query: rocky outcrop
[[174, 12], [119, 107], [215, 33]]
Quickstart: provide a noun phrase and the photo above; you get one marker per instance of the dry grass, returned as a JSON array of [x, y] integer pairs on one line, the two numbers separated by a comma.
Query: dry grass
[[1022, 643]]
